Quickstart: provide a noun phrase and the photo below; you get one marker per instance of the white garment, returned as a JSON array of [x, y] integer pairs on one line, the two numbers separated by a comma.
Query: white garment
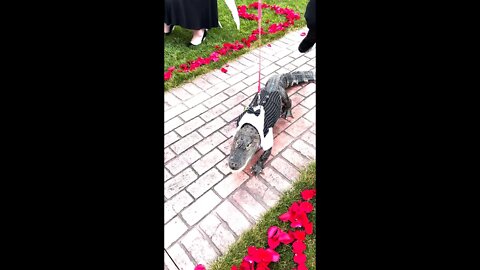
[[266, 142]]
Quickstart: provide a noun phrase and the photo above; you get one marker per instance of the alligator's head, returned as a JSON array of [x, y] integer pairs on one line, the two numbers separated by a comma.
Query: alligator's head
[[245, 143]]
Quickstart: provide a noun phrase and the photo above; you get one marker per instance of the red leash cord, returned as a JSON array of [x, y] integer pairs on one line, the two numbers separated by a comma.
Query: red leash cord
[[259, 48]]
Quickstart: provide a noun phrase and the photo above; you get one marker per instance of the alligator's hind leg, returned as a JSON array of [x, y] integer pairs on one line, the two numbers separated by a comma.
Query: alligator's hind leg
[[287, 107]]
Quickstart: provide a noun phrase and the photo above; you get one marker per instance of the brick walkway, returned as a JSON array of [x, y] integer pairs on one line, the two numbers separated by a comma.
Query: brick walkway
[[206, 206]]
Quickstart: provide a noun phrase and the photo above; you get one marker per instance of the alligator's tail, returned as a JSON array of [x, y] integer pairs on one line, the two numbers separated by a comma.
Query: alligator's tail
[[290, 79]]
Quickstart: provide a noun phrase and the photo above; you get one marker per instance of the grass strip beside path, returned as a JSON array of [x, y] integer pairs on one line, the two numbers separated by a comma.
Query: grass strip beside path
[[176, 51], [257, 235]]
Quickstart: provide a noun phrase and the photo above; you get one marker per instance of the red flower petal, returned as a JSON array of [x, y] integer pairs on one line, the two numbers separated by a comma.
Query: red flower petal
[[224, 70], [199, 267], [273, 243], [269, 45], [274, 255], [309, 228], [306, 207], [234, 267], [302, 266], [284, 217], [299, 258], [299, 235], [302, 34], [298, 246], [171, 69], [308, 194], [167, 75], [271, 231], [285, 238]]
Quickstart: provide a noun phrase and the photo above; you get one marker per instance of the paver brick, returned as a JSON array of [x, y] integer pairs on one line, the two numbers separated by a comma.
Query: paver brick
[[186, 142], [223, 238], [217, 88], [209, 224], [179, 182], [200, 249], [180, 257], [171, 99], [245, 61], [297, 112], [310, 116], [296, 99], [182, 161], [229, 130], [235, 89], [295, 158], [281, 142], [251, 70], [226, 146], [172, 124], [176, 204], [280, 126], [230, 183], [192, 88], [210, 142], [174, 111], [168, 263], [271, 197], [212, 126], [223, 166], [212, 79], [173, 230], [236, 78], [216, 99], [166, 175], [313, 129], [276, 180], [233, 217], [195, 111], [284, 168], [298, 127], [202, 83], [269, 70], [248, 203], [201, 207], [252, 79], [167, 155], [299, 62], [181, 93], [310, 102], [234, 100], [213, 112], [233, 113], [304, 148], [309, 138], [193, 101], [284, 61], [205, 182], [308, 89], [208, 161], [170, 138]]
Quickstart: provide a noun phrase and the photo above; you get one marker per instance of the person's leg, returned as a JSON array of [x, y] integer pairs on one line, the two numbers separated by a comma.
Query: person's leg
[[198, 36], [311, 38]]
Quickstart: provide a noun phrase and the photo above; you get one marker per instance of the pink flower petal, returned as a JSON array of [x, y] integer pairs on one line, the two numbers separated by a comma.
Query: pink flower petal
[[199, 267], [302, 34], [271, 231]]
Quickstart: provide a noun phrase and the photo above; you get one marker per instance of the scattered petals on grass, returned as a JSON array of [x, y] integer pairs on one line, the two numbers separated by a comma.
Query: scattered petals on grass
[[259, 258], [227, 48], [308, 194]]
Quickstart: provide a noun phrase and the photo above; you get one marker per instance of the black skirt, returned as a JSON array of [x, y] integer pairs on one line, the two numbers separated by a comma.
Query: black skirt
[[192, 14]]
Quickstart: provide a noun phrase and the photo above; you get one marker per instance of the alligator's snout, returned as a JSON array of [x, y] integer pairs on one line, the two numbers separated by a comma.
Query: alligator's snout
[[233, 165]]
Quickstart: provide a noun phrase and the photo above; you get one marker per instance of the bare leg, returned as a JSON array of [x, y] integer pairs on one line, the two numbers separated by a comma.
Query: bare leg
[[197, 36], [166, 28]]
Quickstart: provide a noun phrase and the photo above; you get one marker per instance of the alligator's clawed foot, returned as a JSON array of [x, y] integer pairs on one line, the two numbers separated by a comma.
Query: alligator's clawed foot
[[257, 169], [287, 113]]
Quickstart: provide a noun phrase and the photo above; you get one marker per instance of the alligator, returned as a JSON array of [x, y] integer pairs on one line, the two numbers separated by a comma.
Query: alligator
[[255, 124]]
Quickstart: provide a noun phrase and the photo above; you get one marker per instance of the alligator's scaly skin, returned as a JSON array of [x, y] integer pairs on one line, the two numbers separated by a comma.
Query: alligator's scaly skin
[[276, 103]]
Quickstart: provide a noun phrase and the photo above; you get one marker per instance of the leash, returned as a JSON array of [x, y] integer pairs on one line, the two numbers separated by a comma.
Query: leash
[[259, 48]]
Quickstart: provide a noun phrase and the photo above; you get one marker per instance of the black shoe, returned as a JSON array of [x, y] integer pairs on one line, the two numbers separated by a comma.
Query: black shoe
[[171, 27], [308, 42], [203, 38]]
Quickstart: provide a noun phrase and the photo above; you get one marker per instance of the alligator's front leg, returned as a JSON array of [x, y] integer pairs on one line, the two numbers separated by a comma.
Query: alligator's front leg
[[258, 167]]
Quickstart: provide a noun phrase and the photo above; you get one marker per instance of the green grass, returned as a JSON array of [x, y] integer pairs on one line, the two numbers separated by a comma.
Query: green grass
[[257, 236], [177, 52]]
